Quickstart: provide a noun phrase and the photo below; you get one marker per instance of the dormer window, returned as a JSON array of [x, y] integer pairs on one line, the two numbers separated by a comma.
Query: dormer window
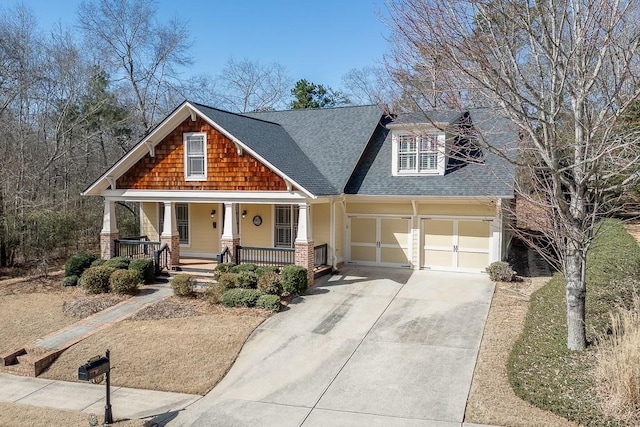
[[418, 154]]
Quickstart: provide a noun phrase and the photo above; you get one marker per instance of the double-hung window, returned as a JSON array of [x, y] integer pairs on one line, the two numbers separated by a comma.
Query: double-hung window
[[418, 154], [195, 156]]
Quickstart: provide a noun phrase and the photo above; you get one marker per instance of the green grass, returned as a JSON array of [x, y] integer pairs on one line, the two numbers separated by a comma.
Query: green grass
[[541, 369]]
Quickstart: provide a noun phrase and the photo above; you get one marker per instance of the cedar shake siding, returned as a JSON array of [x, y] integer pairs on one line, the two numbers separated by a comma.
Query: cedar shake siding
[[226, 169]]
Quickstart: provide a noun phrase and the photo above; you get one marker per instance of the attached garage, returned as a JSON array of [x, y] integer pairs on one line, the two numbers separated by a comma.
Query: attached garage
[[462, 244], [380, 240]]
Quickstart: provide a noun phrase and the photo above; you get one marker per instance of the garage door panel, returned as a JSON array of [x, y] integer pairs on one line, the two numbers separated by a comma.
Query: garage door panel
[[435, 258], [363, 254], [394, 256], [438, 232], [363, 230], [473, 260], [394, 231], [473, 234]]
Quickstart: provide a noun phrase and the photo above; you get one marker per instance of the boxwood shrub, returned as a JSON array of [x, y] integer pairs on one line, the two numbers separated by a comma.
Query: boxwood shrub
[[124, 282], [70, 281], [77, 264], [118, 262], [183, 285], [239, 297], [225, 267], [213, 293], [246, 279], [244, 267], [227, 280], [270, 283], [501, 271], [269, 302], [95, 280], [294, 279], [261, 271], [145, 269]]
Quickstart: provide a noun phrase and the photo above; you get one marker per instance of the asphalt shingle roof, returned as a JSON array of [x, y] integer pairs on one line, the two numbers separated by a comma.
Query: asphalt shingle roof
[[272, 142], [492, 177], [332, 138]]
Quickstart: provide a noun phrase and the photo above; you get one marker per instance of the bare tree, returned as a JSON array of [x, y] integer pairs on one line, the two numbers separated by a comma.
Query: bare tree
[[246, 85], [372, 85], [566, 73], [148, 56]]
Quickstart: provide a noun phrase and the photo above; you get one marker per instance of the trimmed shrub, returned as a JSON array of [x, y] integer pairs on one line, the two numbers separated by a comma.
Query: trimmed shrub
[[239, 297], [118, 262], [225, 267], [227, 280], [70, 281], [95, 280], [294, 279], [246, 279], [124, 282], [98, 262], [501, 271], [261, 271], [269, 302], [183, 285], [244, 267], [213, 293], [145, 269], [270, 283], [77, 264]]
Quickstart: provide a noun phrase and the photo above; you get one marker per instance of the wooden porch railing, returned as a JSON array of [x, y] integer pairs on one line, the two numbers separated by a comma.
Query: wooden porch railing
[[265, 256]]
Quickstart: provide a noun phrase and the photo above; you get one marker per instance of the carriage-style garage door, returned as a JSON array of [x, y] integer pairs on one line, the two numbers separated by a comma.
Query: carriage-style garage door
[[381, 241], [456, 244]]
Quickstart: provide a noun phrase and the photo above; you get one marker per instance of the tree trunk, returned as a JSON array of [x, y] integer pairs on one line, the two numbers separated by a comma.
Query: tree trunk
[[576, 296]]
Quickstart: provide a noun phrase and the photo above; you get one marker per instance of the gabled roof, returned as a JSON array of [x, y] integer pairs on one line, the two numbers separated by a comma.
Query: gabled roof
[[332, 138], [494, 176]]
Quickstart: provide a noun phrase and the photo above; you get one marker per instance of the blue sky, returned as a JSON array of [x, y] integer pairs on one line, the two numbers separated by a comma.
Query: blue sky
[[316, 40]]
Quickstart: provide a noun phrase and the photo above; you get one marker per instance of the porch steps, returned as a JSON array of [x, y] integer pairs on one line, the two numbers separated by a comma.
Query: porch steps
[[203, 277], [29, 362], [322, 270]]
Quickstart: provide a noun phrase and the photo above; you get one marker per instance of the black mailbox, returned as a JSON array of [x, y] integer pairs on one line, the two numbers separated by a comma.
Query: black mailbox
[[93, 368]]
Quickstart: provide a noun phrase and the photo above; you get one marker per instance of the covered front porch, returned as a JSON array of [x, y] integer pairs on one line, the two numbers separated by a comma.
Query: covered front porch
[[194, 233]]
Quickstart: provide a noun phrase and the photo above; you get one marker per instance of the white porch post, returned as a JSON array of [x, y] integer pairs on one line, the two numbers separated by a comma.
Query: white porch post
[[304, 255], [109, 233], [230, 237], [170, 234]]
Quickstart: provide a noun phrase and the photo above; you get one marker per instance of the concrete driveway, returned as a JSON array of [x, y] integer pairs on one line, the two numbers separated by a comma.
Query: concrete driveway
[[368, 347]]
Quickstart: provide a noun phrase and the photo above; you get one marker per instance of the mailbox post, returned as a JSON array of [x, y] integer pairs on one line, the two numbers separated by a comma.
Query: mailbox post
[[95, 367]]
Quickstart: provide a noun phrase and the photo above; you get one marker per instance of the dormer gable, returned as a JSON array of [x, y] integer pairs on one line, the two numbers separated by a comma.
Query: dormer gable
[[418, 150]]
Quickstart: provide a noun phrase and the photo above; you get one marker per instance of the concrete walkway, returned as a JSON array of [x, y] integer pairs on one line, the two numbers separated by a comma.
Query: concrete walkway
[[370, 347]]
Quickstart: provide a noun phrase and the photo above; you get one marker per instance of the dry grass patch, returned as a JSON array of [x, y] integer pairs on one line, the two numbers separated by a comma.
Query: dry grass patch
[[18, 415], [91, 304], [618, 366], [186, 355], [491, 399]]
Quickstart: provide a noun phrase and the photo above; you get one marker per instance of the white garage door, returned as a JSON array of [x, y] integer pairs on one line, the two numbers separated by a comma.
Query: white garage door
[[456, 244], [379, 241]]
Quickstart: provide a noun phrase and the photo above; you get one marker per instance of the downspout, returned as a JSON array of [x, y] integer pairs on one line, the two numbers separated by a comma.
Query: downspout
[[332, 234]]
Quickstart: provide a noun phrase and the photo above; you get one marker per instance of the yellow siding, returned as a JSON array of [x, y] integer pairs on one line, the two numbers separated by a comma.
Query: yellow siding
[[321, 223], [471, 209], [203, 237], [251, 235], [380, 208], [149, 215]]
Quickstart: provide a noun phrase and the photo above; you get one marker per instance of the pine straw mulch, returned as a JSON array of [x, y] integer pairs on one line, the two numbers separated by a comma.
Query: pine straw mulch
[[491, 399]]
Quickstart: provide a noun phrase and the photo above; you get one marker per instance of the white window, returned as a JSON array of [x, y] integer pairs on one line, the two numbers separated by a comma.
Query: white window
[[195, 156], [418, 154], [286, 225], [182, 221]]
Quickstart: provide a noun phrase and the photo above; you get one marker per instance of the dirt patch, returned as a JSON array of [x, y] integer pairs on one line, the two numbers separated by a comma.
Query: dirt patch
[[491, 399], [180, 354], [37, 284], [18, 415]]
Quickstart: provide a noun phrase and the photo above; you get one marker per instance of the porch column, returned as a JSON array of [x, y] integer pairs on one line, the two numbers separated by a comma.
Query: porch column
[[230, 237], [304, 254], [109, 233], [170, 234]]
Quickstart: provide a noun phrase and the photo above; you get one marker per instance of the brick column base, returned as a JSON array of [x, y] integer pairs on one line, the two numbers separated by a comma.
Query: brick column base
[[108, 244], [231, 244], [174, 246], [305, 258]]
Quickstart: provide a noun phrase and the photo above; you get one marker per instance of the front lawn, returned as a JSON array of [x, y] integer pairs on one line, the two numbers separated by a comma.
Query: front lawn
[[541, 369]]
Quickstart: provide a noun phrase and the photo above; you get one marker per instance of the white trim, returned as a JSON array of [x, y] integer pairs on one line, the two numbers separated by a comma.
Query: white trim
[[185, 139], [440, 141], [204, 196]]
